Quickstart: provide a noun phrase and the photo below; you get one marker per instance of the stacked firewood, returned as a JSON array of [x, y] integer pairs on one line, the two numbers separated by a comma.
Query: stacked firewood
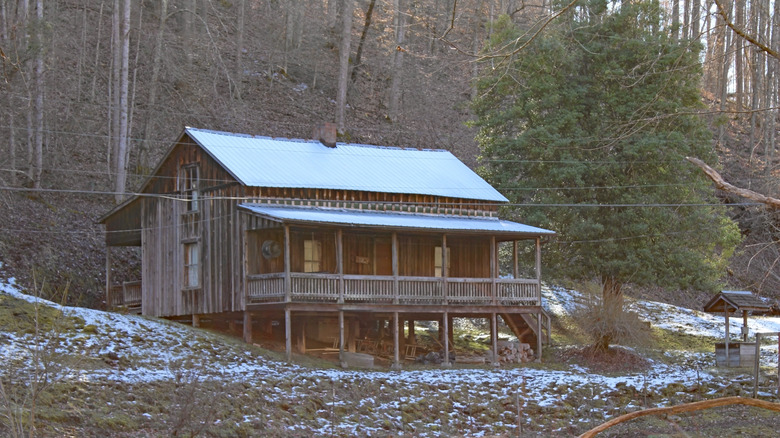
[[514, 352]]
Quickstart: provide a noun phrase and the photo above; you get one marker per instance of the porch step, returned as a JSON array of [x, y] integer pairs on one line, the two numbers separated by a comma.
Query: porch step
[[523, 325]]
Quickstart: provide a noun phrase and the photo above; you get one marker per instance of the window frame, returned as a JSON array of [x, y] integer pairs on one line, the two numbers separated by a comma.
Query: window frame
[[191, 268], [312, 255], [189, 186]]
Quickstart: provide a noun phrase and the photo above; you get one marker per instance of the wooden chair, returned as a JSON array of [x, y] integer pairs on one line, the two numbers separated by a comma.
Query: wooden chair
[[411, 352]]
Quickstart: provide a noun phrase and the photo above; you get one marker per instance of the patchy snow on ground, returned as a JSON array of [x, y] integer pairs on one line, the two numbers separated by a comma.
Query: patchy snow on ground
[[136, 349]]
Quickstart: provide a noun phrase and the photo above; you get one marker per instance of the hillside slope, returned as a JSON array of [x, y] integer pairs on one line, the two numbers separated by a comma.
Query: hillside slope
[[121, 375]]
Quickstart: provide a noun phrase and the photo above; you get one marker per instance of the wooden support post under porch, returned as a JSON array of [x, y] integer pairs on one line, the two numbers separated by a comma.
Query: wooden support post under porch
[[445, 334], [396, 354]]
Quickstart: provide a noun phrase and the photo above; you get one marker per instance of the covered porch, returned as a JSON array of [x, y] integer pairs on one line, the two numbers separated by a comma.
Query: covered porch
[[322, 261]]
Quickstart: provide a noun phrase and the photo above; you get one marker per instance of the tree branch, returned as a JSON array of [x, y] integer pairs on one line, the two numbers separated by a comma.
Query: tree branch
[[741, 32], [725, 186]]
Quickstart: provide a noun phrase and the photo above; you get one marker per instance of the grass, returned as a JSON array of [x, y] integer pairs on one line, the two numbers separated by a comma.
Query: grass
[[274, 404]]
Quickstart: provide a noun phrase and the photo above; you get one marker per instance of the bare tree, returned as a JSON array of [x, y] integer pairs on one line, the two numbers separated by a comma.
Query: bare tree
[[343, 82], [119, 99], [153, 83], [399, 22], [239, 45], [36, 164]]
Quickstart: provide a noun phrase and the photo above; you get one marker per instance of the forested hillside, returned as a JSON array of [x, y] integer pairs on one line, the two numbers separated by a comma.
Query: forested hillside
[[92, 93]]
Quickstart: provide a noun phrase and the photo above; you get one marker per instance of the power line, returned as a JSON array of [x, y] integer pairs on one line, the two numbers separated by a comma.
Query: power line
[[175, 197]]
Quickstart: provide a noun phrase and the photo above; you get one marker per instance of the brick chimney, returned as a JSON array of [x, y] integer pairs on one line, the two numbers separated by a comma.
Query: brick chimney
[[325, 132]]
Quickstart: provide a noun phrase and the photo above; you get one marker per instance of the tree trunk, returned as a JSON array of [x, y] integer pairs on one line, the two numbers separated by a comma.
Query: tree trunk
[[97, 54], [724, 77], [37, 163], [346, 40], [739, 15], [695, 18], [398, 60], [119, 113], [124, 106], [152, 102], [366, 25], [239, 47], [773, 88], [113, 90], [333, 10]]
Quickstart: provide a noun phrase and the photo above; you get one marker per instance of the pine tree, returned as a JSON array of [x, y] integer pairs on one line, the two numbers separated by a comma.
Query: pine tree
[[586, 129]]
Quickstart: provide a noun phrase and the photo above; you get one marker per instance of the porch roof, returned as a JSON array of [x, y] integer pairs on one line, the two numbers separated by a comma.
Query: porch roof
[[393, 221]]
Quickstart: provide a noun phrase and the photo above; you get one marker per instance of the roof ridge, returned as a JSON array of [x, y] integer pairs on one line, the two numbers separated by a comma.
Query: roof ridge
[[303, 140]]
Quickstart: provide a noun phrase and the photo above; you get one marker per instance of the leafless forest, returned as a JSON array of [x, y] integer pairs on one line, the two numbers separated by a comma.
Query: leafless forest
[[92, 92]]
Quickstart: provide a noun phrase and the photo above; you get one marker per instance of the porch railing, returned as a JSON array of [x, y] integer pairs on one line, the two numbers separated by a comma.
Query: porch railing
[[382, 289], [126, 295]]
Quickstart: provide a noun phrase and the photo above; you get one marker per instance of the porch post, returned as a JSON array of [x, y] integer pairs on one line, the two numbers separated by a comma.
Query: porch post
[[397, 354], [726, 312], [354, 328], [288, 334], [412, 338], [109, 304], [446, 363], [300, 338], [247, 327], [538, 270], [287, 279], [450, 328], [494, 338], [195, 320], [744, 325], [515, 260], [493, 269], [395, 268], [444, 271], [341, 339], [539, 336], [340, 263]]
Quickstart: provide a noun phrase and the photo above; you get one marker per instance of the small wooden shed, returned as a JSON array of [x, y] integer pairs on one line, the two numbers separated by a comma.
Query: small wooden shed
[[730, 302]]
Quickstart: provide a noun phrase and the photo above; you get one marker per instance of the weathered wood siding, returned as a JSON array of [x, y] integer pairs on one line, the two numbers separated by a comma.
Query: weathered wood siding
[[168, 225], [230, 242]]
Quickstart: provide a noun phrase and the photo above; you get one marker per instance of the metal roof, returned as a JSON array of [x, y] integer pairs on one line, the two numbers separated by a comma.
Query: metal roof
[[373, 219], [269, 162], [736, 301]]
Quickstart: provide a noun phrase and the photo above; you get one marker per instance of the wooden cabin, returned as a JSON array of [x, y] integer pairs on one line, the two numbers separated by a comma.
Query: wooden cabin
[[332, 243]]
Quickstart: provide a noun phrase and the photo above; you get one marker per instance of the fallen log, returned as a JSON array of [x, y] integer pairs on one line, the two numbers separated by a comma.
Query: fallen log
[[687, 407]]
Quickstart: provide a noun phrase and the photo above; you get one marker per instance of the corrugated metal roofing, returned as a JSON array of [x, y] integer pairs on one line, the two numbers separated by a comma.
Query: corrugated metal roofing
[[344, 217], [269, 162]]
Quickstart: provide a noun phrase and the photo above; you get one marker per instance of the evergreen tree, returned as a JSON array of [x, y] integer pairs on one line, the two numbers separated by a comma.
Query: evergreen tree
[[587, 128]]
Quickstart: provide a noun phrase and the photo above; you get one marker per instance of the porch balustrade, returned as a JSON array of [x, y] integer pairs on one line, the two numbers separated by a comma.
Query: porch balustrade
[[127, 295], [307, 287]]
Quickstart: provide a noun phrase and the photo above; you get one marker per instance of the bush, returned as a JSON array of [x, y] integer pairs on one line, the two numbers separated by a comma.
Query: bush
[[606, 322]]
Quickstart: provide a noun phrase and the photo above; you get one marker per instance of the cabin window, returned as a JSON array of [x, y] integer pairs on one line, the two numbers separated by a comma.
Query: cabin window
[[312, 255], [191, 277], [188, 186], [437, 262]]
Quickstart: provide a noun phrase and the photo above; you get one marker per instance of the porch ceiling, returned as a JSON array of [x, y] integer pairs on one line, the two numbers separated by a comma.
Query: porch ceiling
[[394, 221]]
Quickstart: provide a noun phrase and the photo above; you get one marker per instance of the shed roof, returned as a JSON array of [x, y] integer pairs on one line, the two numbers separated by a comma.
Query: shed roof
[[736, 301], [271, 162], [394, 220]]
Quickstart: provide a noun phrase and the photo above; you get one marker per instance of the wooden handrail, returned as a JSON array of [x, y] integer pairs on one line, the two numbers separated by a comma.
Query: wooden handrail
[[461, 291]]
